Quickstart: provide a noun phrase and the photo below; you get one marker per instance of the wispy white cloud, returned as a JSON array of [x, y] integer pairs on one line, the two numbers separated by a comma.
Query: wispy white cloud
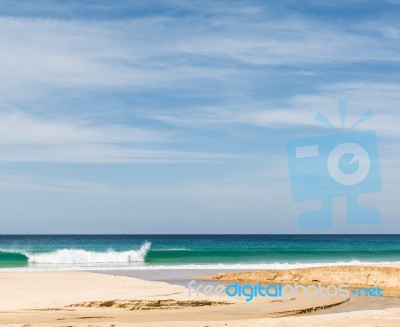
[[87, 54], [154, 51], [20, 128], [299, 110], [161, 52], [105, 154], [27, 139]]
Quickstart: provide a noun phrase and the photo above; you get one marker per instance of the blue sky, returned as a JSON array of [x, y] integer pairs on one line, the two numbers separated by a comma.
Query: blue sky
[[173, 116]]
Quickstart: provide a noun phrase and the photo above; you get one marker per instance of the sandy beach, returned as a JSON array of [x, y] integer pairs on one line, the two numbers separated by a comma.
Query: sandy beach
[[93, 299]]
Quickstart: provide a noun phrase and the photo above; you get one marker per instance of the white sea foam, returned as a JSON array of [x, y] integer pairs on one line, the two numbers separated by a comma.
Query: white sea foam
[[140, 265], [69, 256], [247, 266]]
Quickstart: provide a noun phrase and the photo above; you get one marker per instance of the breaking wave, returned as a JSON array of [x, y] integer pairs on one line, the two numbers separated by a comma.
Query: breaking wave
[[67, 256], [75, 256]]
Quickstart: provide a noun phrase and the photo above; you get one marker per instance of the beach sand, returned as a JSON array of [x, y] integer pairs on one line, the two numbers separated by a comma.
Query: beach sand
[[388, 278], [92, 299]]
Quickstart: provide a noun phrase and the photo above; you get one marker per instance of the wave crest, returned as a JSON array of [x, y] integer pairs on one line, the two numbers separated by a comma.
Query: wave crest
[[68, 256]]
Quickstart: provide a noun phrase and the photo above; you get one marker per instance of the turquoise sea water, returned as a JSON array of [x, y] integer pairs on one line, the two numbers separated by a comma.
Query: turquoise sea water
[[54, 252]]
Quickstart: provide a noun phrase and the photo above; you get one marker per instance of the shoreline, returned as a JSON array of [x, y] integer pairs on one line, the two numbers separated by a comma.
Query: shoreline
[[228, 267]]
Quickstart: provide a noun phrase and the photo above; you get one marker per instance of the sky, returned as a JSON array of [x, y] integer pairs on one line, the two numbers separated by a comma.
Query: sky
[[173, 116]]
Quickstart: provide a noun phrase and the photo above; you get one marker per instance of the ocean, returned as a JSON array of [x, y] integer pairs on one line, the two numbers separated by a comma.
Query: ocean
[[142, 252]]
